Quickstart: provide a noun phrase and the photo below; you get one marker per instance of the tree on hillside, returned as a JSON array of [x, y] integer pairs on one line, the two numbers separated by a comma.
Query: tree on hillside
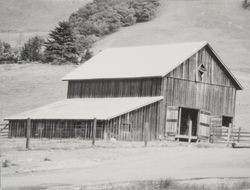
[[32, 49], [60, 47], [7, 54], [246, 4]]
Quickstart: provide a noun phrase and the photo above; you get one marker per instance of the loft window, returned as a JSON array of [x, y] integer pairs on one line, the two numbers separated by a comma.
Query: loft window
[[200, 72]]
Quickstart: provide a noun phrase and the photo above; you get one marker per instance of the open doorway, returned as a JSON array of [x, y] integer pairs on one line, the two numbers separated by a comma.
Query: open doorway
[[186, 116], [226, 121]]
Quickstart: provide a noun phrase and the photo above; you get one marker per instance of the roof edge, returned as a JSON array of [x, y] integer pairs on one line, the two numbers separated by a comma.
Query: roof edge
[[235, 80], [138, 107], [204, 43]]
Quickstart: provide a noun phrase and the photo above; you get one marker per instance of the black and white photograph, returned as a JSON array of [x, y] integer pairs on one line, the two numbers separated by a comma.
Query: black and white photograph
[[124, 94]]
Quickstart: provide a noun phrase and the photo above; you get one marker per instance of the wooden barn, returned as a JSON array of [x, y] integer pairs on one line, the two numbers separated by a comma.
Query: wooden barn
[[167, 86]]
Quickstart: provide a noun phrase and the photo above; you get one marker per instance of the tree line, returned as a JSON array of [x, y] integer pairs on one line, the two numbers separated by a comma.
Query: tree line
[[70, 41]]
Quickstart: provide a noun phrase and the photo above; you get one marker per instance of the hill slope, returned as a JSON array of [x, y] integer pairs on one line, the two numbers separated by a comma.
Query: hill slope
[[35, 15], [22, 19], [223, 23]]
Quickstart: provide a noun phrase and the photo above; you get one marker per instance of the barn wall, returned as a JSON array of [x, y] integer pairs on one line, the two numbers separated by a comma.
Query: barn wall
[[219, 100], [56, 128], [114, 88], [130, 126], [215, 74]]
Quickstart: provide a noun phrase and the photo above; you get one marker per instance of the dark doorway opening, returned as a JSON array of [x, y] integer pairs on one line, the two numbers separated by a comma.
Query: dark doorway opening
[[186, 116], [226, 121]]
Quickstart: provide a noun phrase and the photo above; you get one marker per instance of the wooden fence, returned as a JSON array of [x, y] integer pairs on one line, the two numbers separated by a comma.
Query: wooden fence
[[4, 130], [229, 135]]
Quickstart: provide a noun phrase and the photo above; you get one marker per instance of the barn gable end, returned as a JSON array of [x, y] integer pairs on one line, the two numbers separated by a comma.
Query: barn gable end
[[214, 72]]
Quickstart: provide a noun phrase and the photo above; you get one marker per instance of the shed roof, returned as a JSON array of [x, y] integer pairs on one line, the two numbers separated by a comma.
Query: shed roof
[[87, 108], [135, 62]]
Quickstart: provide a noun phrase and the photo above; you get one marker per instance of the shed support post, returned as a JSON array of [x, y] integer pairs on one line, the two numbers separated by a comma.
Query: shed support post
[[94, 132], [190, 132], [28, 133], [146, 130]]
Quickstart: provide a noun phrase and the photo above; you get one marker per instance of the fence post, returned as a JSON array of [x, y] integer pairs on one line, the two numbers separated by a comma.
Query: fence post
[[190, 131], [229, 134], [28, 133], [146, 130], [0, 167], [94, 132], [238, 140]]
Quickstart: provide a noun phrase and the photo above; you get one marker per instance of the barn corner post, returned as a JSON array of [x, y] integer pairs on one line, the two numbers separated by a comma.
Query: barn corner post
[[94, 132], [28, 128]]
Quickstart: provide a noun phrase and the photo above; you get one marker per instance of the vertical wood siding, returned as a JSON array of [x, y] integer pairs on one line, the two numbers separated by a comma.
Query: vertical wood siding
[[219, 100], [129, 126], [215, 74], [114, 88], [56, 128]]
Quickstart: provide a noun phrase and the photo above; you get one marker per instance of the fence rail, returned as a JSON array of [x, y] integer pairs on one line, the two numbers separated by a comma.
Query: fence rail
[[4, 130], [229, 135]]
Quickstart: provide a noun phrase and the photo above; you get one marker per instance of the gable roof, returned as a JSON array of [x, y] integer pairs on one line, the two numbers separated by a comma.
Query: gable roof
[[138, 62], [87, 108]]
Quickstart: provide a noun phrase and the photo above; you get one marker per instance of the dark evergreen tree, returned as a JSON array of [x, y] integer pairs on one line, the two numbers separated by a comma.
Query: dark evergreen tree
[[60, 47], [32, 50]]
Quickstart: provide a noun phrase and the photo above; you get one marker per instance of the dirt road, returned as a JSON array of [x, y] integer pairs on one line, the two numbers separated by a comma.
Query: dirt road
[[143, 163]]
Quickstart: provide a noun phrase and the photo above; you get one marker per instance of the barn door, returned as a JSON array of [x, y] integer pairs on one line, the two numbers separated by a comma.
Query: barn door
[[216, 126], [204, 124], [172, 120]]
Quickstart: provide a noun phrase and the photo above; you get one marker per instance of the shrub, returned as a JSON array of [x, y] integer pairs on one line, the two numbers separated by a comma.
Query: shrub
[[145, 10], [7, 54], [32, 49], [71, 41], [245, 4]]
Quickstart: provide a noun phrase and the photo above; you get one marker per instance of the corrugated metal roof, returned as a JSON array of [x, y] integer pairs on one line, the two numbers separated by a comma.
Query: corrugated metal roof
[[87, 108], [135, 62]]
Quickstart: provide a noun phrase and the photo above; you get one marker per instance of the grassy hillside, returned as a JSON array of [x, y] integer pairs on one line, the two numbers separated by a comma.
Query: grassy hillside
[[35, 15], [23, 87], [223, 23], [20, 20]]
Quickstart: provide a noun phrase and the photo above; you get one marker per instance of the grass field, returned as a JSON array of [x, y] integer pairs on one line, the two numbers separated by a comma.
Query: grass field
[[23, 87]]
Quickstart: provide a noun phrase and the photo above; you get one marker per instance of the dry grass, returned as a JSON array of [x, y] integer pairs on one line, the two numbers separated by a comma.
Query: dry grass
[[24, 87], [167, 184]]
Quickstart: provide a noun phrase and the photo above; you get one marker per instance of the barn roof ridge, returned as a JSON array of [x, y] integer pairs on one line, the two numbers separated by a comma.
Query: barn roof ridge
[[140, 62]]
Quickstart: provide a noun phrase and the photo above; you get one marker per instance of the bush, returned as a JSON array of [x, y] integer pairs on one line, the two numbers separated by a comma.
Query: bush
[[102, 17], [7, 54], [32, 49], [145, 10], [245, 4], [71, 41]]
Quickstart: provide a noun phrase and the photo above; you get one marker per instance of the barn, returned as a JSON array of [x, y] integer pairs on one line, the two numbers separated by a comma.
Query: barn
[[121, 89]]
